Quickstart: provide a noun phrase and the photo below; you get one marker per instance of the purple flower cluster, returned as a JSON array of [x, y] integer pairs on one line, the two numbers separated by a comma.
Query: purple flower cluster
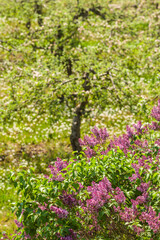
[[59, 164], [19, 224], [123, 142], [58, 167], [156, 111], [89, 152], [138, 128], [142, 199], [127, 215], [67, 238], [68, 199], [97, 137], [72, 236], [61, 213], [129, 132], [143, 162], [138, 230], [100, 193], [152, 219], [143, 187], [100, 134], [154, 126], [130, 214], [88, 141], [119, 196]]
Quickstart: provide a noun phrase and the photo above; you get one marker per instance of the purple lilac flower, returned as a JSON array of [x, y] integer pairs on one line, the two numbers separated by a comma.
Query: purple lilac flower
[[26, 236], [72, 235], [157, 142], [128, 215], [66, 238], [142, 144], [99, 136], [120, 197], [137, 229], [116, 209], [142, 199], [130, 132], [142, 161], [136, 167], [68, 199], [154, 126], [99, 193], [57, 169], [134, 206], [88, 141], [152, 220], [156, 111], [61, 213], [19, 225], [89, 152], [134, 177], [143, 187], [138, 128], [123, 142]]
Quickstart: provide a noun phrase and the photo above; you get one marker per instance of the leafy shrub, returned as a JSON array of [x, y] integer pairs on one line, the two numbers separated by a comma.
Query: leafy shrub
[[111, 191]]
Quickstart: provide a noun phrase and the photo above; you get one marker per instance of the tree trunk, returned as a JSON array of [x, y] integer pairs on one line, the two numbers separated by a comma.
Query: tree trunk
[[79, 112], [38, 10], [76, 124]]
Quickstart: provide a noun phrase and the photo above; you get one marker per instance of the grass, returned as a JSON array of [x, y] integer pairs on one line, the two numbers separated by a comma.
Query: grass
[[7, 225], [8, 197]]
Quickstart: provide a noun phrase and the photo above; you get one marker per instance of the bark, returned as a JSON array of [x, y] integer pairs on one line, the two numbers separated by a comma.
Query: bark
[[59, 36], [76, 124], [38, 10], [69, 66], [79, 112]]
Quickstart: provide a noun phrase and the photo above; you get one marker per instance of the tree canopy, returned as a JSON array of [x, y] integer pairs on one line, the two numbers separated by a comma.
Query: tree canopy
[[68, 59]]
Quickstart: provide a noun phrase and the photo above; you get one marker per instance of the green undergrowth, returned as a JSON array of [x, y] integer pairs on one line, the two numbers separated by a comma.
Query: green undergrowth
[[8, 198]]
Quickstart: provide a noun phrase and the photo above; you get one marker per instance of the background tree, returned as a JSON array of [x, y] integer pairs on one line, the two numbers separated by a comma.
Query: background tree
[[58, 62]]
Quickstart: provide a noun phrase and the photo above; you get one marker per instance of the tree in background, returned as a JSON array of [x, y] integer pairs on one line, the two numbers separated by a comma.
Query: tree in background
[[70, 60]]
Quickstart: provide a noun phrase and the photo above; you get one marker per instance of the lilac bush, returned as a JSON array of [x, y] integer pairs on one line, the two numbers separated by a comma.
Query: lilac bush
[[156, 111], [111, 191]]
